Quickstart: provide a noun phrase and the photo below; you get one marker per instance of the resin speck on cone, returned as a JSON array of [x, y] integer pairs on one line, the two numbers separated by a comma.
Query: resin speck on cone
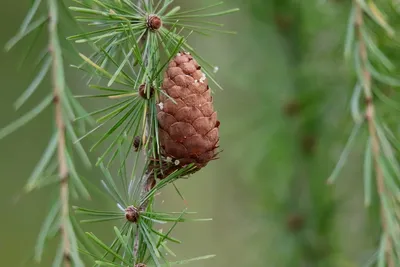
[[188, 125]]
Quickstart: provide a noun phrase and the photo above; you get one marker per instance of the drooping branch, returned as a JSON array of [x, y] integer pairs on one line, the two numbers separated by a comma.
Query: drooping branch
[[58, 90], [366, 81]]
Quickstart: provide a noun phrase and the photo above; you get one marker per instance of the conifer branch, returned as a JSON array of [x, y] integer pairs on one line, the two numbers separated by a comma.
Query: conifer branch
[[58, 90], [374, 70], [136, 42], [370, 118], [56, 165]]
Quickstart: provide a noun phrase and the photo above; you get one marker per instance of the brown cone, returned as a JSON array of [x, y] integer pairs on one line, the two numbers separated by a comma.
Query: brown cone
[[188, 128]]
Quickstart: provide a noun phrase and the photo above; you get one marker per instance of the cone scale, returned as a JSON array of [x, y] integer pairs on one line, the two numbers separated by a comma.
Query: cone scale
[[188, 125]]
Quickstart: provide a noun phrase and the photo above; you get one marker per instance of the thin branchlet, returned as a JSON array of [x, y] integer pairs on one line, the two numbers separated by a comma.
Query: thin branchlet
[[372, 127], [60, 124]]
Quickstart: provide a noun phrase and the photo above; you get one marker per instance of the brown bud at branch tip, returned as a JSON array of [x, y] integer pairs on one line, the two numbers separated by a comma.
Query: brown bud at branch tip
[[154, 22], [132, 214], [143, 92]]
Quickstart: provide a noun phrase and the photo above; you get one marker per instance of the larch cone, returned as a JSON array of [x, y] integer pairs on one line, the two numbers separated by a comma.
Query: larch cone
[[188, 128]]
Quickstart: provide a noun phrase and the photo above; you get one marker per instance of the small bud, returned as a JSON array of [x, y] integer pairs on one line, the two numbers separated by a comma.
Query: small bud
[[132, 214], [143, 91], [136, 143], [154, 22]]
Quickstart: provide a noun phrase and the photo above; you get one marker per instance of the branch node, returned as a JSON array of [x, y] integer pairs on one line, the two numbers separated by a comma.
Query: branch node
[[67, 257], [154, 22], [132, 214], [368, 100], [137, 143], [143, 91], [64, 179]]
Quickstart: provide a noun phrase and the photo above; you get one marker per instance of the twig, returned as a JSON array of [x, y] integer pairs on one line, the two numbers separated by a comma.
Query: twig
[[136, 245], [58, 88], [144, 189], [370, 117], [145, 177]]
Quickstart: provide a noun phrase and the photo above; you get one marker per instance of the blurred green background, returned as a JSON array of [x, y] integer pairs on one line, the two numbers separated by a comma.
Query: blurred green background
[[284, 120]]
